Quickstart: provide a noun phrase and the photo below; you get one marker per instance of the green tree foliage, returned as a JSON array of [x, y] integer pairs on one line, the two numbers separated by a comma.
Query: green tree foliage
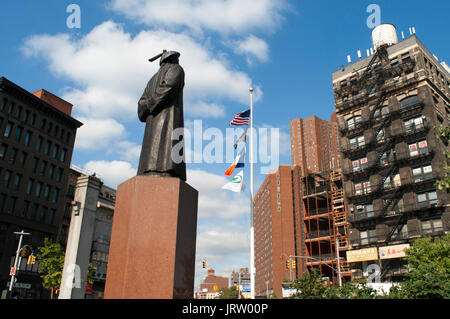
[[228, 293], [51, 264], [429, 263], [444, 135], [428, 277]]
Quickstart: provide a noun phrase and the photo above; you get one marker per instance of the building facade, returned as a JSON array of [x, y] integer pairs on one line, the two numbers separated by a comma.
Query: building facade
[[89, 235], [211, 285], [314, 144], [274, 231], [387, 107], [37, 135]]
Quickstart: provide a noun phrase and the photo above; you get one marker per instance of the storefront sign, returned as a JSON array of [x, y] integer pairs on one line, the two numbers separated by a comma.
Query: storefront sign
[[396, 251], [362, 255]]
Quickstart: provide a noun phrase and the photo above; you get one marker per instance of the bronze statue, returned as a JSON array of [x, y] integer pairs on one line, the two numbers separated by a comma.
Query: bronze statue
[[161, 108]]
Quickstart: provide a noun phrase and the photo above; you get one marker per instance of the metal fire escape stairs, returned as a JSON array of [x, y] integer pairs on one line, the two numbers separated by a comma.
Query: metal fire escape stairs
[[374, 79]]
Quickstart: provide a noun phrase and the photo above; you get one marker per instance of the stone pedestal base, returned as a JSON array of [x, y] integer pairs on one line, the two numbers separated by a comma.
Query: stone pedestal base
[[152, 251]]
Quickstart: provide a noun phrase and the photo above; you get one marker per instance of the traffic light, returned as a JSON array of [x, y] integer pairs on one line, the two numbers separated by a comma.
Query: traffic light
[[293, 264], [288, 264], [31, 260], [23, 252], [204, 264]]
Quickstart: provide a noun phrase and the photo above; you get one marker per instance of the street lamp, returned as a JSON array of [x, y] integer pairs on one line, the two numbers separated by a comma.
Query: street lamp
[[14, 270]]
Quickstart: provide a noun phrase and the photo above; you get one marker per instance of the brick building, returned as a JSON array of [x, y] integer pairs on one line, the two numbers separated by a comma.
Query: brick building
[[274, 231], [387, 106]]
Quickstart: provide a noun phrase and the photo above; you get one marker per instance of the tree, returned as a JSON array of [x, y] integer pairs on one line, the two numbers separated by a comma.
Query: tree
[[228, 293], [429, 264], [51, 264], [444, 135], [311, 286]]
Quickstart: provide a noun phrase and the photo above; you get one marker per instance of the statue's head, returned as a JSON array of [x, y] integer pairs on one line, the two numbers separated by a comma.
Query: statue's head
[[169, 57]]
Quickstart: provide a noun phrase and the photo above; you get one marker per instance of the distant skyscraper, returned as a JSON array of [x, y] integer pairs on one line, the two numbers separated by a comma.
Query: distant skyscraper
[[314, 143]]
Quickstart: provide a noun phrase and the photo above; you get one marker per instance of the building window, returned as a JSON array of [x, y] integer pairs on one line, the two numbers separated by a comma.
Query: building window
[[51, 171], [357, 142], [39, 142], [38, 189], [409, 102], [47, 192], [17, 181], [26, 205], [30, 186], [353, 122], [8, 129], [59, 174], [422, 173], [413, 124], [7, 178], [368, 237], [417, 148], [43, 214], [359, 164], [12, 155], [3, 150], [48, 145], [51, 216], [431, 226], [63, 155], [27, 138], [364, 210], [12, 205], [43, 168], [23, 159], [55, 195], [381, 113], [18, 134], [55, 151], [362, 188], [427, 199]]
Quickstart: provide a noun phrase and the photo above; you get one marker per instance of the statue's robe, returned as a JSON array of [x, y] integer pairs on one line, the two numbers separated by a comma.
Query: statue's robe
[[161, 108]]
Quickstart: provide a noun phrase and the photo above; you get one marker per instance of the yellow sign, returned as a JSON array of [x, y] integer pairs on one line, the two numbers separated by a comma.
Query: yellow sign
[[362, 255], [396, 251], [215, 288]]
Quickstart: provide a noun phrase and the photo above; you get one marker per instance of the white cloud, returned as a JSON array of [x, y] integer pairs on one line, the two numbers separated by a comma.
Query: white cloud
[[128, 150], [252, 47], [98, 134], [214, 202], [203, 109], [110, 69], [112, 173], [223, 16]]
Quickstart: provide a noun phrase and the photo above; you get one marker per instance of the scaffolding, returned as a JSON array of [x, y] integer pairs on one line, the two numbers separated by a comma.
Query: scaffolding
[[325, 224]]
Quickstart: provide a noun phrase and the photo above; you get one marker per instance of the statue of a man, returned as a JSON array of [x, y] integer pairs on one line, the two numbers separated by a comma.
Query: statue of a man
[[161, 108]]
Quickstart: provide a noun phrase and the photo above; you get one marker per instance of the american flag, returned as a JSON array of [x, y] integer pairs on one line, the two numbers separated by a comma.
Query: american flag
[[241, 118]]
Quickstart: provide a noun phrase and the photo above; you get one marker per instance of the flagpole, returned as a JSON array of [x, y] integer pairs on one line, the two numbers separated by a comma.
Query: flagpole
[[252, 229]]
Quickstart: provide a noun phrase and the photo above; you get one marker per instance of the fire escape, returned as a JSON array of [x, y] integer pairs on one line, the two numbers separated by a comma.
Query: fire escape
[[375, 85]]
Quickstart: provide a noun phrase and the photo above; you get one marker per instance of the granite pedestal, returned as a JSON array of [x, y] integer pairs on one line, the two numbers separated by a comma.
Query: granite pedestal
[[152, 250]]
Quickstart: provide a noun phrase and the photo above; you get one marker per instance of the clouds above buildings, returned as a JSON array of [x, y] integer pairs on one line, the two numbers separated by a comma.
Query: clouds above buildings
[[105, 70]]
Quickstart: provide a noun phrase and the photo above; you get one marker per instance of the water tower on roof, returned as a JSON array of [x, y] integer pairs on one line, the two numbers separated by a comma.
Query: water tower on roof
[[384, 34]]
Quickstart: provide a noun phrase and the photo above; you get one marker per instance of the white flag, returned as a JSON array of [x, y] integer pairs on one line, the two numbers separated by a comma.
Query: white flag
[[236, 184]]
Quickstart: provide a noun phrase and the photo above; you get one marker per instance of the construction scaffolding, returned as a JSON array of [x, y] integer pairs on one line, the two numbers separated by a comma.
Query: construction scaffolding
[[325, 225]]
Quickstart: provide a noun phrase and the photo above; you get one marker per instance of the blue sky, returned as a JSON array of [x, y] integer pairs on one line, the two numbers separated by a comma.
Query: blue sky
[[286, 50]]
